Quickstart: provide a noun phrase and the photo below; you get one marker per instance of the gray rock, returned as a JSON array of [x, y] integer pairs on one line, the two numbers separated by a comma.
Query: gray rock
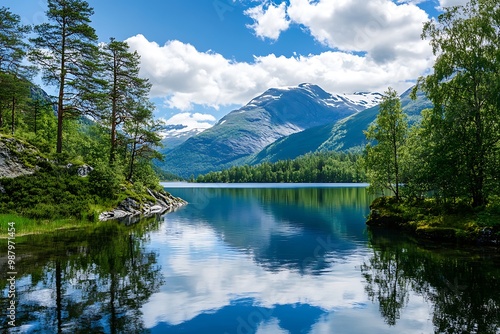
[[84, 170], [10, 165], [129, 210]]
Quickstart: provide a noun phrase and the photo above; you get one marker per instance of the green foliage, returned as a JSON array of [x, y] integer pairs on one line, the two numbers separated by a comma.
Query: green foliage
[[145, 175], [142, 132], [384, 158], [47, 194], [331, 167], [440, 221], [126, 91], [105, 181], [65, 48], [461, 134], [12, 45]]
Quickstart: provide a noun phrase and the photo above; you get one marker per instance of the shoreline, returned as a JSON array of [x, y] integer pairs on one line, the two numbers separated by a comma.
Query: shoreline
[[121, 214], [426, 221]]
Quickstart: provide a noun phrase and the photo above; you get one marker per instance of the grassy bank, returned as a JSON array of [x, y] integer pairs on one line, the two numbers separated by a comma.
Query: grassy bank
[[25, 226], [428, 219], [56, 197]]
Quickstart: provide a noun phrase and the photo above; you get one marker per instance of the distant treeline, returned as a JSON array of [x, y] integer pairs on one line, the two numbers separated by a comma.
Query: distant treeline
[[329, 167]]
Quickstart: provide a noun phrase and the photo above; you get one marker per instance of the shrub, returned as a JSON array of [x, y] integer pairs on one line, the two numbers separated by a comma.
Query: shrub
[[104, 181]]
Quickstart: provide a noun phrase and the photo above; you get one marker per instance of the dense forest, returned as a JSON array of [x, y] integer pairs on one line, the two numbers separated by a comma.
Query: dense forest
[[455, 151], [333, 167], [101, 115], [449, 163]]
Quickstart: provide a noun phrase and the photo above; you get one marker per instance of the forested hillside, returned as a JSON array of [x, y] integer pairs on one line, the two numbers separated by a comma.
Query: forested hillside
[[329, 167], [100, 117]]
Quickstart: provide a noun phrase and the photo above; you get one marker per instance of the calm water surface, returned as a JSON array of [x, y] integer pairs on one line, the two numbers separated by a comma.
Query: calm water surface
[[252, 260]]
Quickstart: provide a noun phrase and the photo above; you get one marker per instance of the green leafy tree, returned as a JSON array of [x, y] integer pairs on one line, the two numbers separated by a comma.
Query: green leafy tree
[[66, 49], [384, 158], [125, 88], [464, 88]]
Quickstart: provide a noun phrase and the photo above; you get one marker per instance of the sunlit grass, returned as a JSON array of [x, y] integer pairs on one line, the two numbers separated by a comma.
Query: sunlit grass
[[25, 226]]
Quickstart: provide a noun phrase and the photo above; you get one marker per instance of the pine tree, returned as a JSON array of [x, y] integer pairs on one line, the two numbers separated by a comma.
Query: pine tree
[[14, 89], [66, 50], [12, 46], [125, 88], [142, 132]]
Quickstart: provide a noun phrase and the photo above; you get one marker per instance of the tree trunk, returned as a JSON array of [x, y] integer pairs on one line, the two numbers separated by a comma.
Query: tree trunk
[[114, 112], [60, 101], [132, 157], [13, 121]]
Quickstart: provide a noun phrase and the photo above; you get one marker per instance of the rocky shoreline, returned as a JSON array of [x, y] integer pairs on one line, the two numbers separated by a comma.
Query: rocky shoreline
[[130, 210]]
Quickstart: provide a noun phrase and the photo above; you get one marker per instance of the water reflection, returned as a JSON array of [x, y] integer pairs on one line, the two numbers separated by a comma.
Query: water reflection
[[88, 280], [251, 261], [464, 289], [284, 228]]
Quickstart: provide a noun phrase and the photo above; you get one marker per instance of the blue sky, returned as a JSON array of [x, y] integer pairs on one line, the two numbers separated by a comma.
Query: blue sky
[[207, 57]]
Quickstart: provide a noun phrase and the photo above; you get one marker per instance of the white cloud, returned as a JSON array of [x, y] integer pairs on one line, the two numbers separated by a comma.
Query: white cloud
[[191, 121], [448, 3], [185, 76], [270, 20], [381, 28]]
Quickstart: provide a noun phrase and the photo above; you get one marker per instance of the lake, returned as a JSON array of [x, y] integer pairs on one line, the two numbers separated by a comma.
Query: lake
[[252, 259]]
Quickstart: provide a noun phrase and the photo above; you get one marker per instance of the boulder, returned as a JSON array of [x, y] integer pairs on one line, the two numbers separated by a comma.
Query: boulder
[[11, 165], [84, 170], [130, 208]]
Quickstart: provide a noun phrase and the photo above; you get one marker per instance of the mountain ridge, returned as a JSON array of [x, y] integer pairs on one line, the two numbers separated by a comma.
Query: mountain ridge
[[276, 113]]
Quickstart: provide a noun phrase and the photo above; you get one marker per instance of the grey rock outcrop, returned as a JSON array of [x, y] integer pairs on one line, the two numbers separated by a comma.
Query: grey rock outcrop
[[82, 171], [10, 164], [129, 210]]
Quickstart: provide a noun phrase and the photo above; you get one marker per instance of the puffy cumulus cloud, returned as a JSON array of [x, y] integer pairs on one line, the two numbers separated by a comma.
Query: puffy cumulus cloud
[[191, 121], [383, 29], [269, 20], [185, 76]]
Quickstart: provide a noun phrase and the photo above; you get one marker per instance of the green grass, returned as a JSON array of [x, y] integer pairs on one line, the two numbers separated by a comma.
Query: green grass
[[24, 226]]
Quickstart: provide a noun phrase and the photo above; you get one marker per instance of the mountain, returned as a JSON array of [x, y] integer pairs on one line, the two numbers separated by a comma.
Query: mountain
[[174, 135], [276, 113], [342, 135]]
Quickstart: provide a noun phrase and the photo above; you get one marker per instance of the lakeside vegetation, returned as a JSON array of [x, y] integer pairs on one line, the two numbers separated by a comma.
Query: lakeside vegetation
[[327, 167], [101, 119], [444, 171]]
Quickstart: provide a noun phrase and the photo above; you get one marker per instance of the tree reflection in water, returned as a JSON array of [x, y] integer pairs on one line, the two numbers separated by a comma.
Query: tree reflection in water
[[463, 288], [86, 280]]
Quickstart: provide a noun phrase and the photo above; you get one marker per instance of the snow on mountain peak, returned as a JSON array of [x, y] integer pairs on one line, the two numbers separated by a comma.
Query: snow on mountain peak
[[358, 100]]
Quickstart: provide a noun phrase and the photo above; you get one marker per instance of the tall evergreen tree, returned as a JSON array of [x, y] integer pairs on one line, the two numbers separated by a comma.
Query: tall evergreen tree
[[12, 45], [384, 158], [14, 88], [125, 88], [465, 90], [142, 131], [14, 93], [66, 49]]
